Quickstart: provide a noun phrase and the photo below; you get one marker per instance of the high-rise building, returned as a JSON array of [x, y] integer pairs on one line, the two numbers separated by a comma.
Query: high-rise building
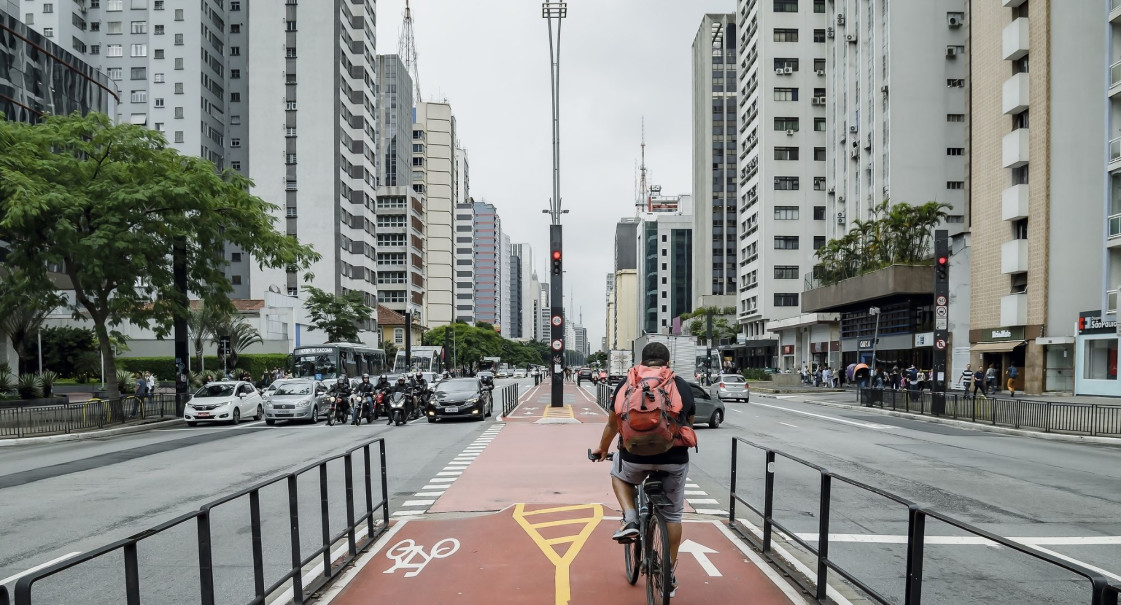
[[782, 161], [400, 209], [1039, 192], [435, 128], [524, 294], [714, 161], [665, 265], [465, 262], [544, 328], [505, 292], [305, 59], [488, 271]]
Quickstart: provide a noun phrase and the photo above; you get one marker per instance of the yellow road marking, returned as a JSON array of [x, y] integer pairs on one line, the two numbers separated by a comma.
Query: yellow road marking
[[561, 412], [562, 585], [562, 522]]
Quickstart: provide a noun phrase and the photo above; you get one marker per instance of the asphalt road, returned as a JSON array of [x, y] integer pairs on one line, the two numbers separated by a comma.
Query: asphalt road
[[65, 498], [1069, 494]]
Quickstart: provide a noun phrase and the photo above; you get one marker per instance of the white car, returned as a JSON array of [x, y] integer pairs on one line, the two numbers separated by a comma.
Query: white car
[[519, 373], [225, 401]]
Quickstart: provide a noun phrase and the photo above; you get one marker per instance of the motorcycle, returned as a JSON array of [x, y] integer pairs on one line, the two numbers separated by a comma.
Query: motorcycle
[[362, 405], [338, 410], [398, 407]]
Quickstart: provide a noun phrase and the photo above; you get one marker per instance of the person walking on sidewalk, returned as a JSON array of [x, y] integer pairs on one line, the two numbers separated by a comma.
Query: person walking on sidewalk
[[978, 382], [990, 380], [1012, 374], [630, 469], [966, 377]]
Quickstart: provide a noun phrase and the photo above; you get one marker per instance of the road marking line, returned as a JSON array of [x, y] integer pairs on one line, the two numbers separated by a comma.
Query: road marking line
[[711, 511], [790, 559], [442, 479], [702, 501], [428, 487], [782, 584], [449, 473], [1077, 562], [561, 579], [408, 513], [429, 494], [692, 485], [418, 503], [737, 411], [863, 425], [695, 492], [317, 569], [38, 567], [789, 425]]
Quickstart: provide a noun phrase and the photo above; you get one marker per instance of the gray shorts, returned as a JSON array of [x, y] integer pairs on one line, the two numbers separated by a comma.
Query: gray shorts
[[673, 484]]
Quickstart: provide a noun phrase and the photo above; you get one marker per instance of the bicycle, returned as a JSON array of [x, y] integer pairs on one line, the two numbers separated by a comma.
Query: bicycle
[[649, 553]]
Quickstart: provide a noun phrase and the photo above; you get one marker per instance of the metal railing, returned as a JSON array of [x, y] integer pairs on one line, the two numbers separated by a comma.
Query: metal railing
[[24, 421], [295, 574], [509, 394], [1115, 150], [1048, 416], [1101, 592], [603, 396], [1115, 73], [1114, 225]]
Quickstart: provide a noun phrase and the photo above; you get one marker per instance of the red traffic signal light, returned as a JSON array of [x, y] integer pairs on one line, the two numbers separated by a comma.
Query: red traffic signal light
[[556, 254], [942, 260], [556, 261]]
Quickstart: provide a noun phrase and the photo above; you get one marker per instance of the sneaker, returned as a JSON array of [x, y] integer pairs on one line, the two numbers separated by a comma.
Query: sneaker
[[626, 533], [672, 584]]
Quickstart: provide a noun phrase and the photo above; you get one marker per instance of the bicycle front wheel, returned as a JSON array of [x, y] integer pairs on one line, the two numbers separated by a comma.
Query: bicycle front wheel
[[658, 564], [632, 556]]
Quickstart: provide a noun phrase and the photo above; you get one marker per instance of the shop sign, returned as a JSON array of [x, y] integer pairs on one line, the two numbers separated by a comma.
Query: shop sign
[[926, 339], [865, 343], [1014, 333], [1096, 325]]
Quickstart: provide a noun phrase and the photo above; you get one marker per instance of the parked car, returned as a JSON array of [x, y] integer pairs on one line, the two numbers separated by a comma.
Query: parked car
[[460, 398], [709, 409], [224, 401], [294, 400], [731, 386]]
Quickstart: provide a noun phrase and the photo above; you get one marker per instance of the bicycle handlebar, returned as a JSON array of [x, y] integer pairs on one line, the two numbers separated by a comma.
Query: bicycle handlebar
[[593, 458]]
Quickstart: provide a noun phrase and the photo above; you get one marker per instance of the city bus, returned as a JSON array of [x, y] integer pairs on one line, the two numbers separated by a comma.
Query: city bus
[[324, 361], [425, 359]]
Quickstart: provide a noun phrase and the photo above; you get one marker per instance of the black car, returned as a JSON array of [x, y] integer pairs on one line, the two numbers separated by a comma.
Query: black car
[[460, 398], [585, 374]]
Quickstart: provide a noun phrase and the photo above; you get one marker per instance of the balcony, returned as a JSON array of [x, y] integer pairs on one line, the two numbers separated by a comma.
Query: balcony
[[1114, 233], [1111, 297], [1114, 11], [1012, 3], [1014, 256], [1014, 203], [1015, 148], [1014, 310], [1015, 39], [890, 281], [1115, 79], [1015, 97], [1115, 154]]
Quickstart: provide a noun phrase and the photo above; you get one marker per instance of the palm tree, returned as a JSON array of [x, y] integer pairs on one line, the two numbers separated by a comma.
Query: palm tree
[[203, 323], [241, 336]]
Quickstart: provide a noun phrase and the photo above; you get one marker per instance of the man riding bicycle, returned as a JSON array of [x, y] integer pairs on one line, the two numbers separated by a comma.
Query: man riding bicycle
[[628, 469]]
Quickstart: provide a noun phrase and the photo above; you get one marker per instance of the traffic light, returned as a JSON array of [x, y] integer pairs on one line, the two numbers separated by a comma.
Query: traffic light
[[942, 267], [556, 261]]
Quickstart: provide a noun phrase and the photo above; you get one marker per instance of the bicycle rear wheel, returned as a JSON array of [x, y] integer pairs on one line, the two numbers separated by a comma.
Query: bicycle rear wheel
[[658, 564], [632, 556]]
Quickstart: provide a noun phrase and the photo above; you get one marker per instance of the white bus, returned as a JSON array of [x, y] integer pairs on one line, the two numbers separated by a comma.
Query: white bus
[[324, 361], [425, 359]]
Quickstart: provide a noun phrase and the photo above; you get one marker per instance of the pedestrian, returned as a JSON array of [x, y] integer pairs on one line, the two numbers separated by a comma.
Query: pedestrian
[[978, 382], [913, 377], [966, 376], [990, 379], [1012, 374], [141, 394], [827, 377], [151, 381], [895, 377]]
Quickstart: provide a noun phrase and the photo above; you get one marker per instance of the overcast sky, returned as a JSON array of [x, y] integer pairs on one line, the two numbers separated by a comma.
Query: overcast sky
[[620, 60]]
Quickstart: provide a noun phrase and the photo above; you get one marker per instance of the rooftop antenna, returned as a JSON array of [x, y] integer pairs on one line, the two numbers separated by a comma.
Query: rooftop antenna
[[406, 49], [645, 199]]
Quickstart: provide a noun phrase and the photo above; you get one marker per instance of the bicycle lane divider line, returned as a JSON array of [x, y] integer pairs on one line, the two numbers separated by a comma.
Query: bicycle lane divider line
[[562, 564], [40, 566]]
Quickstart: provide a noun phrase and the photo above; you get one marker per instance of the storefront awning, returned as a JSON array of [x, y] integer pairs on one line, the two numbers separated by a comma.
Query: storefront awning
[[1003, 346]]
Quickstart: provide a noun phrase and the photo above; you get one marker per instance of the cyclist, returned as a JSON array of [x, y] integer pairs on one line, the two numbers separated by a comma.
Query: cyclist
[[629, 470]]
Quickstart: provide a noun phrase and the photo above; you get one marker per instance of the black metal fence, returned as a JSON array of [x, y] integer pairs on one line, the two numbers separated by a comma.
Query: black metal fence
[[510, 395], [1048, 416], [603, 396], [1100, 591], [26, 421], [294, 575]]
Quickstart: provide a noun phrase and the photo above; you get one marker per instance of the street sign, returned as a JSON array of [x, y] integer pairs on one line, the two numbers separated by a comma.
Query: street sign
[[557, 320], [940, 344], [557, 359], [557, 344], [941, 311], [941, 323], [941, 301]]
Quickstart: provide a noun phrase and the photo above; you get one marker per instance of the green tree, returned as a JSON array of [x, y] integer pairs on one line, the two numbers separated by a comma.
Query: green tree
[[110, 204], [337, 315], [390, 352], [202, 324], [66, 349], [241, 335], [599, 358], [21, 322]]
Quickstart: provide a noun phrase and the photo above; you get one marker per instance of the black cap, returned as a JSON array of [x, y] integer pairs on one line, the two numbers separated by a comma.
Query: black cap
[[655, 352]]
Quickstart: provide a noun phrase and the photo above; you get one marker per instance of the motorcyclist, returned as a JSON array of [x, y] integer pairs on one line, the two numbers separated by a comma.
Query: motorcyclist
[[402, 387], [365, 391], [341, 391], [422, 390]]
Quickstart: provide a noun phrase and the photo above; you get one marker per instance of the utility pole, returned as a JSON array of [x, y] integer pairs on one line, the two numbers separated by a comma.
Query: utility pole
[[941, 320], [556, 11], [408, 340]]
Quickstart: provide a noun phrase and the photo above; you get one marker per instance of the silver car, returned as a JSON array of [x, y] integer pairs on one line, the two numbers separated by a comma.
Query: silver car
[[295, 400], [731, 386], [709, 409]]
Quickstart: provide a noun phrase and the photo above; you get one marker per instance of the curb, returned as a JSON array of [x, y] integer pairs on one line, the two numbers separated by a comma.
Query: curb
[[965, 424], [125, 430]]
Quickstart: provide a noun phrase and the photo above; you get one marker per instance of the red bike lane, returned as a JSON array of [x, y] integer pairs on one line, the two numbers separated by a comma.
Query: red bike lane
[[530, 521]]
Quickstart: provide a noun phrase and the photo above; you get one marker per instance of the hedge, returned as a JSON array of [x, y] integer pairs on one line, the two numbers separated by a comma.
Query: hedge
[[164, 367]]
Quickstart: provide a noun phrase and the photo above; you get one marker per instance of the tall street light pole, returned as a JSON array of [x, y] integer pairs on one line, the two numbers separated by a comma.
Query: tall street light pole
[[556, 12]]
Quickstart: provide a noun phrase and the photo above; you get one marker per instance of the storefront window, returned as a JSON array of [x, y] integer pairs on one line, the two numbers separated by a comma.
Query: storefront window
[[1101, 359]]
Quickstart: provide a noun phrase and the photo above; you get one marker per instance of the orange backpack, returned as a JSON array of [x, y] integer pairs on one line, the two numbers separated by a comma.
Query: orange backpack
[[650, 412]]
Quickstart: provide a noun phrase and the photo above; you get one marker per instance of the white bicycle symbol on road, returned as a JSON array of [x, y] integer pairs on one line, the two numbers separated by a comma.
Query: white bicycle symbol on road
[[406, 551]]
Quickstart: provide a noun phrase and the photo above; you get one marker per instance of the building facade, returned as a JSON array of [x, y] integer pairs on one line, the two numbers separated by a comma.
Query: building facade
[[465, 262], [487, 291], [665, 265], [524, 294], [435, 128], [714, 161]]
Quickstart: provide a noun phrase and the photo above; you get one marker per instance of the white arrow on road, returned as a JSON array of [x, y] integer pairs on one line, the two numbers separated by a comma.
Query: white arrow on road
[[701, 552]]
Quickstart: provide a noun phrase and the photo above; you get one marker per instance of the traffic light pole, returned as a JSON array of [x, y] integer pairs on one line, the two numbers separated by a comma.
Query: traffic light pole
[[941, 320], [555, 12], [556, 317]]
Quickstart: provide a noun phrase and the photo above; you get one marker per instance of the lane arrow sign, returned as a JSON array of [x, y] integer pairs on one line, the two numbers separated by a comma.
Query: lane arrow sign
[[701, 553]]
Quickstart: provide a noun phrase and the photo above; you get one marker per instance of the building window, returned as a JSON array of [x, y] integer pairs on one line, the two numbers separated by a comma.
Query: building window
[[236, 280], [955, 117], [399, 336], [786, 242], [290, 105], [786, 6], [179, 113], [179, 39], [783, 63], [113, 27], [236, 165], [140, 27], [235, 142], [819, 183], [157, 5], [139, 50], [159, 102], [819, 213], [819, 6], [955, 150], [290, 26], [786, 124], [235, 51], [114, 5], [158, 53], [114, 73], [48, 8], [786, 153], [786, 213], [139, 96], [786, 94], [290, 52], [48, 32], [1020, 120], [786, 35], [138, 73], [159, 126], [179, 63], [955, 83], [786, 271], [819, 36], [955, 185], [114, 50], [786, 183], [178, 136], [235, 97], [1020, 175], [235, 74], [819, 124], [235, 28], [819, 241], [178, 14], [95, 49], [235, 6], [178, 88], [786, 300], [1098, 356]]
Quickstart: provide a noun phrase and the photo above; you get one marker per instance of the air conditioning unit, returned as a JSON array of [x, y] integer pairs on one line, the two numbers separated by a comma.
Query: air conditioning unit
[[883, 89], [820, 100], [778, 72], [852, 128], [851, 38], [831, 190], [855, 153], [868, 145], [953, 20], [840, 19], [840, 218], [821, 72], [951, 51], [788, 70], [789, 133], [829, 32]]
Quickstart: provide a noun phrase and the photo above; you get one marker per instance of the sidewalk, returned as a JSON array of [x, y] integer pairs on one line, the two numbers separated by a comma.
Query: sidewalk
[[530, 521]]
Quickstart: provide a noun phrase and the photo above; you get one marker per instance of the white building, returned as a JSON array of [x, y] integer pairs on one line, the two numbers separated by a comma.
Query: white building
[[524, 294], [665, 263], [505, 290], [436, 126]]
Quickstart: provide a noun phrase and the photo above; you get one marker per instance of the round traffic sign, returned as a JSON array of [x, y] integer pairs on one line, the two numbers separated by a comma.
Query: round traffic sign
[[940, 311], [941, 300], [557, 320], [557, 344], [940, 344]]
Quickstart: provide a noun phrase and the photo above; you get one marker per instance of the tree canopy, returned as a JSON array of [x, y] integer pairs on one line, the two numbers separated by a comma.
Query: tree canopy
[[106, 205], [473, 343], [339, 315]]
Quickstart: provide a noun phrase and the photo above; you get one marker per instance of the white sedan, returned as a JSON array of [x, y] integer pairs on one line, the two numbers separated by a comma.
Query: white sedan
[[225, 401]]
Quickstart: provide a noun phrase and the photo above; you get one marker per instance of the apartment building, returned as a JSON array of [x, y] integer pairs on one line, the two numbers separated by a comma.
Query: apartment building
[[465, 262], [782, 166], [544, 328], [524, 289], [435, 127], [624, 299], [505, 291], [665, 263], [1042, 114], [487, 252], [400, 209], [714, 161]]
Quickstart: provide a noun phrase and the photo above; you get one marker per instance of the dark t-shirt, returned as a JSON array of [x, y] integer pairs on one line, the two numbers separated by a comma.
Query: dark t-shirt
[[675, 455]]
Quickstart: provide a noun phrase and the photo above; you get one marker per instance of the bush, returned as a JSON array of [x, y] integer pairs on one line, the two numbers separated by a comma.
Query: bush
[[47, 378], [7, 379], [756, 374], [126, 384], [30, 386], [64, 347], [164, 367]]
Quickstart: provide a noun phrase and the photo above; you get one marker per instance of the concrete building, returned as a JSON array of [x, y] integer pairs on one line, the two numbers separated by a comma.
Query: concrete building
[[622, 316], [544, 329], [782, 166], [665, 265], [714, 161], [505, 291], [435, 128], [524, 294], [400, 209], [488, 271], [1040, 277], [465, 262]]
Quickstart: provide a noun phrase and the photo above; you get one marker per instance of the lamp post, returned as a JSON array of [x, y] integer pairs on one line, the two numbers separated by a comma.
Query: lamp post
[[556, 11], [876, 336]]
